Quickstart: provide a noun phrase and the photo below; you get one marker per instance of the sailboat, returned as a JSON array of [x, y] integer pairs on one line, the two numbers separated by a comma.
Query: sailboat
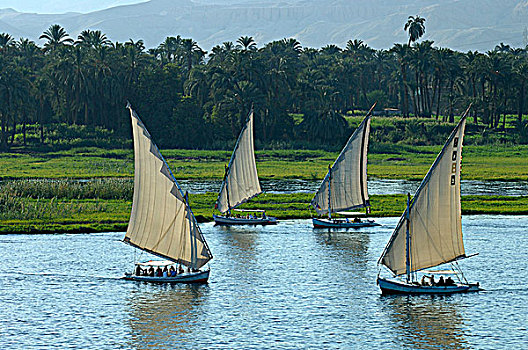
[[345, 185], [241, 183], [429, 232], [162, 222]]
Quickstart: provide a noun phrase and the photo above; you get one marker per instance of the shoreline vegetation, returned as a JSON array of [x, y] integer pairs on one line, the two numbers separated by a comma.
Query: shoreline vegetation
[[103, 205]]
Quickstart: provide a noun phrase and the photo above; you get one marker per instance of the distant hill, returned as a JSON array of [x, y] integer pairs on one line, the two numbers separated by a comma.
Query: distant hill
[[462, 25]]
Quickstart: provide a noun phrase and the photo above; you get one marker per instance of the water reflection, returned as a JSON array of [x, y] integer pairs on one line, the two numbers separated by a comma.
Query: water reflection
[[241, 242], [161, 314], [348, 246], [426, 322]]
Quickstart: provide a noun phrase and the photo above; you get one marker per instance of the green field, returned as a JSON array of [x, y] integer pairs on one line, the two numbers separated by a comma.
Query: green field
[[490, 162], [56, 204]]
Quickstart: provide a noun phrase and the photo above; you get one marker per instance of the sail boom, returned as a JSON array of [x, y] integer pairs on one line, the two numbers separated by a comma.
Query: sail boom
[[241, 202], [177, 261], [461, 257]]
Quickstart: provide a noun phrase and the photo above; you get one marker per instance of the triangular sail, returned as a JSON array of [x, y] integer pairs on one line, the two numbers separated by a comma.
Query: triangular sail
[[347, 176], [435, 218], [241, 180], [161, 221]]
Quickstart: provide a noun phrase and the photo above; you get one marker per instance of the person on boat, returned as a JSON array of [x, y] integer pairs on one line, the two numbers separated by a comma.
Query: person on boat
[[441, 282], [180, 270], [449, 282], [424, 282], [264, 215], [357, 220], [172, 271], [151, 271], [139, 271], [165, 272], [159, 273], [433, 283]]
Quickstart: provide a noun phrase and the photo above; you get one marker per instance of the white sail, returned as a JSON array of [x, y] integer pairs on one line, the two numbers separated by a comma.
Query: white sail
[[347, 176], [241, 181], [435, 227], [161, 221]]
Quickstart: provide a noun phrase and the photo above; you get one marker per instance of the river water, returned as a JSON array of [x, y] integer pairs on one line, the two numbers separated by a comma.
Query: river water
[[375, 186], [282, 287]]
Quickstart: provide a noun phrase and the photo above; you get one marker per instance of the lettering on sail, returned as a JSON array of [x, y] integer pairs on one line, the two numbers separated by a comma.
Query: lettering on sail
[[454, 164]]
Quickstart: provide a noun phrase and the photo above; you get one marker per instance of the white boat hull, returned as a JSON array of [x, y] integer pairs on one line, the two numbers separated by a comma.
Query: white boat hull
[[189, 277], [222, 220], [342, 223], [399, 287]]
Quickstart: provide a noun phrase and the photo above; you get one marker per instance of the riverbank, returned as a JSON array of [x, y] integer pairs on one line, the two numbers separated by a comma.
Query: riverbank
[[28, 215]]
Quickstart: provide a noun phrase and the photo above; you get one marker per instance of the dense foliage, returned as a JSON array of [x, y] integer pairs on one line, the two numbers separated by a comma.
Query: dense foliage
[[301, 96]]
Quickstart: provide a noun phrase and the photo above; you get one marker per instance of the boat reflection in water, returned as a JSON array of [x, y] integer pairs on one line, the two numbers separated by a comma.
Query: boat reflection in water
[[350, 247], [426, 322], [161, 314]]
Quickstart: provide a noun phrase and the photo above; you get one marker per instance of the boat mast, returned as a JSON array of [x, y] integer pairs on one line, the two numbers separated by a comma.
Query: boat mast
[[227, 190], [329, 193], [191, 231], [408, 241]]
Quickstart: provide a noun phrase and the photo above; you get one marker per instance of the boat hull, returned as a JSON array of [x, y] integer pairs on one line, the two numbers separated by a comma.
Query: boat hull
[[222, 220], [190, 277], [340, 223], [398, 287]]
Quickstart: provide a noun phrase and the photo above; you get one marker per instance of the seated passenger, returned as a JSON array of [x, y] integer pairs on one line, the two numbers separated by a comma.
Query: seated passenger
[[180, 269], [449, 282], [151, 272], [139, 271], [441, 282], [172, 271], [159, 273], [165, 272]]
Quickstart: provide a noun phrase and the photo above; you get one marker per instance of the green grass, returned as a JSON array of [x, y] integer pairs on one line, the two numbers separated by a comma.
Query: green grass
[[29, 215], [496, 162]]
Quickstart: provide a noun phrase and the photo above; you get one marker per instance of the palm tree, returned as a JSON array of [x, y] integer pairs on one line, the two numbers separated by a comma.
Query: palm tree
[[55, 37], [415, 27], [520, 69], [192, 53], [402, 55], [92, 39], [247, 42], [6, 41]]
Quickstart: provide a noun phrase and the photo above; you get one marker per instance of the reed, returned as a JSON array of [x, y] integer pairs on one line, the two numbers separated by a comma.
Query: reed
[[105, 188], [23, 214]]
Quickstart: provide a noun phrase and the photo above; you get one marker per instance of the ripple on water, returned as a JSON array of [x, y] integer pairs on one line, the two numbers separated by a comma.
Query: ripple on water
[[282, 287]]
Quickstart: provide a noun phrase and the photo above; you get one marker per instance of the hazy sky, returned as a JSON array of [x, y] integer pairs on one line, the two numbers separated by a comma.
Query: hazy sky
[[61, 6]]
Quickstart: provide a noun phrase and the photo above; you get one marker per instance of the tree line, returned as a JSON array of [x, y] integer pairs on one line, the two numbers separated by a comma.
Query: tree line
[[192, 98]]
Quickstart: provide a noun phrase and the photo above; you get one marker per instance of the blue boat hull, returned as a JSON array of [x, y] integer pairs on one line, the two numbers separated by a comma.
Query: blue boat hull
[[190, 277], [222, 220], [399, 287], [342, 223]]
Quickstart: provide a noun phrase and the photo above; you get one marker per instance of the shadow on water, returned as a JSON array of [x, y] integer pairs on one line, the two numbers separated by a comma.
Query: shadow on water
[[425, 322], [162, 315]]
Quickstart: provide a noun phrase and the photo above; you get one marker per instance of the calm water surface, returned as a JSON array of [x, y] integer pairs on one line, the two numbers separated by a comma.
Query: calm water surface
[[375, 186], [283, 287]]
